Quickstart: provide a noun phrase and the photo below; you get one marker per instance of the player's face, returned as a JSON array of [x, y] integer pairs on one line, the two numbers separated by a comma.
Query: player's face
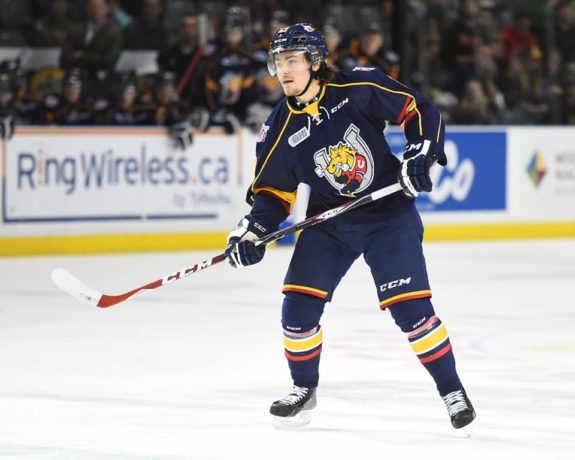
[[293, 72], [5, 97], [128, 97], [234, 37], [72, 93]]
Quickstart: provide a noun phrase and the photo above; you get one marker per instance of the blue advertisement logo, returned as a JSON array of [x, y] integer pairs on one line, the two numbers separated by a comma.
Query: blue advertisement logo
[[475, 175]]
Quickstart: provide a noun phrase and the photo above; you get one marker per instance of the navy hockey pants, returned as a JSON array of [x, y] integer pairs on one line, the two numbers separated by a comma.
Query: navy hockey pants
[[393, 251]]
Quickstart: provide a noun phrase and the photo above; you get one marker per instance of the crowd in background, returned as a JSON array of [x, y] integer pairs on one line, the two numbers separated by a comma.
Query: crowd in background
[[480, 61]]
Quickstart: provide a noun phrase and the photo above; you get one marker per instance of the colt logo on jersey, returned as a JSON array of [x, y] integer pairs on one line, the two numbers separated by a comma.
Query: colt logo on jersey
[[348, 166]]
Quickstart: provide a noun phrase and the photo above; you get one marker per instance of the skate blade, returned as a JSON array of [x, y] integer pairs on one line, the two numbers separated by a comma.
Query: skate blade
[[468, 430], [292, 423]]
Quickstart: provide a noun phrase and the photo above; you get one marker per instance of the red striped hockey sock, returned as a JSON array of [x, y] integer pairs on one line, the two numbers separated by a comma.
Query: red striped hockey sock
[[431, 344]]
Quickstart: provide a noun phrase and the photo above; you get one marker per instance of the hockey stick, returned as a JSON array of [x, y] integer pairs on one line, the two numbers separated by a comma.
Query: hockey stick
[[76, 288]]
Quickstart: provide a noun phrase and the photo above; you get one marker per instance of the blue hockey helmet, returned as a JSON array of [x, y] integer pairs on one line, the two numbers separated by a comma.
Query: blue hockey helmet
[[236, 20], [299, 37]]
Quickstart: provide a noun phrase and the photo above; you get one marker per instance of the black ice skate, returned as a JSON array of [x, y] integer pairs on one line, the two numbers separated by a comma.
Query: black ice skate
[[459, 408], [293, 410]]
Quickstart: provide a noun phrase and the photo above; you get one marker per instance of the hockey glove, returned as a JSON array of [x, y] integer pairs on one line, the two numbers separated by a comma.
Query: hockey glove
[[256, 115], [241, 250], [225, 120], [413, 174], [200, 118], [181, 135]]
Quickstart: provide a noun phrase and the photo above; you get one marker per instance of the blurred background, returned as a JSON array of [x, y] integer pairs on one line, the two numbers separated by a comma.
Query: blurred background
[[71, 62], [99, 100]]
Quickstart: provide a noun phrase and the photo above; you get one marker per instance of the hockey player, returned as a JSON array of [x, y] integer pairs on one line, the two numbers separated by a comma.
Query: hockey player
[[169, 111], [126, 109], [71, 108], [15, 107], [230, 77], [368, 50], [269, 90], [328, 133]]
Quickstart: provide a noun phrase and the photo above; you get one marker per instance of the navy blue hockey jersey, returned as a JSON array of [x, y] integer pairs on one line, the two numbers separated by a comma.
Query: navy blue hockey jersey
[[336, 145]]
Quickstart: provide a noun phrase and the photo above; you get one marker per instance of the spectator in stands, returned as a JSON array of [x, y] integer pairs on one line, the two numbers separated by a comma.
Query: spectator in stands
[[527, 90], [488, 27], [487, 73], [368, 50], [69, 108], [53, 28], [186, 60], [461, 41], [435, 74], [473, 108], [565, 31], [436, 77], [517, 37], [146, 31], [96, 44]]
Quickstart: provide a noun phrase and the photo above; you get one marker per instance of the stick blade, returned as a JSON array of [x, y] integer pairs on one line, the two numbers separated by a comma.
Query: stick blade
[[74, 287]]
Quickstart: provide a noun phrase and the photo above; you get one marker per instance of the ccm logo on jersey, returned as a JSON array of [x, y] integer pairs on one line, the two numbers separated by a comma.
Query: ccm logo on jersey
[[393, 284], [340, 105]]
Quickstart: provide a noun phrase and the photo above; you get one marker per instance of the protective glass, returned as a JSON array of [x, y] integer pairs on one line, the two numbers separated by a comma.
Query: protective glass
[[290, 60]]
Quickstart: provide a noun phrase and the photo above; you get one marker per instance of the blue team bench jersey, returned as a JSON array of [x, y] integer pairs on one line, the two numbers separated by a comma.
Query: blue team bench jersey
[[336, 145]]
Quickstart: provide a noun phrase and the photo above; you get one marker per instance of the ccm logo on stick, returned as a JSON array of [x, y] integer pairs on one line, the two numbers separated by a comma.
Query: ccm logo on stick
[[394, 284]]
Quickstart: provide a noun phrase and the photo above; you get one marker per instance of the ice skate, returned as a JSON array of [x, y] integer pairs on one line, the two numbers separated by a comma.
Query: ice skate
[[294, 410], [460, 409]]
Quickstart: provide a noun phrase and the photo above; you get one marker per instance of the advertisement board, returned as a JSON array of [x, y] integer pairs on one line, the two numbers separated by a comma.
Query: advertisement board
[[75, 190], [117, 176], [542, 172]]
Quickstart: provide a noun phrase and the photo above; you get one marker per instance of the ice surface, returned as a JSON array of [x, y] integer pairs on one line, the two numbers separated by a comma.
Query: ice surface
[[188, 371]]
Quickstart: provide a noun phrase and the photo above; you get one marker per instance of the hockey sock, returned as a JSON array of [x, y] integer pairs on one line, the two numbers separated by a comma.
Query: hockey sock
[[303, 349], [431, 344]]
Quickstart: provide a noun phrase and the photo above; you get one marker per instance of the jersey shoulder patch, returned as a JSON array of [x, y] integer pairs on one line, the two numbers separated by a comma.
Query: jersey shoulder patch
[[263, 133]]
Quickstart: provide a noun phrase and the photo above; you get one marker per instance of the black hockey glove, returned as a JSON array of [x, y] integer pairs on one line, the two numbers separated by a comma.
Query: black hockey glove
[[241, 250], [413, 174], [225, 120]]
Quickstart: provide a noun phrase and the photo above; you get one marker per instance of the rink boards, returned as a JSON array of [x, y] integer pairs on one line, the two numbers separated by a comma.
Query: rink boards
[[78, 190]]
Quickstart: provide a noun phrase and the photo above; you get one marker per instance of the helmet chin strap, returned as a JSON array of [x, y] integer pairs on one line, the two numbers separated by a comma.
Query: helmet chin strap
[[311, 75]]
